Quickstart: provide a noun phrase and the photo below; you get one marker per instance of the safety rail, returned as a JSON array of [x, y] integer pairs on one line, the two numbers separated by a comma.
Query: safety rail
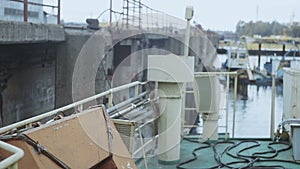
[[227, 74], [77, 104], [136, 14], [145, 144], [12, 161], [27, 2]]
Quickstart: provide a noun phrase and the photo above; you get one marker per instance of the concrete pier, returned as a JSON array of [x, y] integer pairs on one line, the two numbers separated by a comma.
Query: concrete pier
[[39, 62], [27, 69], [24, 32]]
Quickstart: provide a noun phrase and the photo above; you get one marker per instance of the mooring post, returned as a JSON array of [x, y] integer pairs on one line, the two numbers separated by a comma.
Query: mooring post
[[283, 49], [259, 55]]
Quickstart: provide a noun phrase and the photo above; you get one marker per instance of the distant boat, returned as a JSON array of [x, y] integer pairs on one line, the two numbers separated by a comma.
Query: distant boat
[[238, 58], [275, 64]]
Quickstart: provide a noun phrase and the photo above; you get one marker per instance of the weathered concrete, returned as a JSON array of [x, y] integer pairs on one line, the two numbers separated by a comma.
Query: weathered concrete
[[67, 54], [78, 60], [46, 70], [21, 32], [30, 86]]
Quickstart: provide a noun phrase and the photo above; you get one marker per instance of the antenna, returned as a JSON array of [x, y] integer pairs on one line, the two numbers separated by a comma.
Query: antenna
[[293, 17], [257, 12]]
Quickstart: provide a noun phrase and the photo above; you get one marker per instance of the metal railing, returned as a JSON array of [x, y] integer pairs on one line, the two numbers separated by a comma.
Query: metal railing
[[78, 105], [145, 144], [136, 14], [27, 2], [12, 161], [227, 75], [149, 144]]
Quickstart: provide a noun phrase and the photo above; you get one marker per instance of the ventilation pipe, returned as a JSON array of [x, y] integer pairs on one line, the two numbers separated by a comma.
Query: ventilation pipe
[[207, 99], [170, 72]]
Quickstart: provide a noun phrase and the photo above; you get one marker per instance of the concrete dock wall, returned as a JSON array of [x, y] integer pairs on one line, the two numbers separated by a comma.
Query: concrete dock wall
[[67, 54], [27, 76], [50, 67], [21, 32], [79, 59]]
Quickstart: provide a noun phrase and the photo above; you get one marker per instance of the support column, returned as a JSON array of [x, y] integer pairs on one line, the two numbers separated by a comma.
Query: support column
[[169, 123]]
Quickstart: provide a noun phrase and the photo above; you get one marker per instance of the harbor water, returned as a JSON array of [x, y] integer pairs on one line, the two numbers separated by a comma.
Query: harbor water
[[253, 115]]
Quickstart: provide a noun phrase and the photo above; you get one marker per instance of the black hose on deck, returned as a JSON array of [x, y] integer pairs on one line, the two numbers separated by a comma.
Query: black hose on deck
[[244, 161]]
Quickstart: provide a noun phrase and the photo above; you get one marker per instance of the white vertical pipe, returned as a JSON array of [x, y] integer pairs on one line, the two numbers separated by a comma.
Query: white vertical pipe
[[169, 123], [227, 102], [143, 147], [234, 103], [272, 125], [187, 38]]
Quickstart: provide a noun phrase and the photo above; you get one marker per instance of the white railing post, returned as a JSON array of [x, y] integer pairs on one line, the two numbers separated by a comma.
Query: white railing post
[[79, 108], [14, 166], [110, 100], [272, 125], [136, 90], [227, 105], [11, 162], [228, 74], [143, 147], [234, 103]]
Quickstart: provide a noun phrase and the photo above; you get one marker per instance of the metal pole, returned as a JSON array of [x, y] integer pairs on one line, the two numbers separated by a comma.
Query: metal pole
[[147, 21], [234, 103], [143, 147], [272, 125], [187, 39], [58, 12], [259, 55], [283, 49], [227, 102], [25, 10], [127, 15], [110, 13], [183, 108], [133, 13], [140, 12]]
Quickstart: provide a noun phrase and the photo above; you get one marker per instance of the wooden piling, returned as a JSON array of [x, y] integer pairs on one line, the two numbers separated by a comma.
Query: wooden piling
[[259, 54]]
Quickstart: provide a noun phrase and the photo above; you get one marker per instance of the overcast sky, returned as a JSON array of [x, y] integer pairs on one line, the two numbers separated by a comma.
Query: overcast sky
[[211, 14]]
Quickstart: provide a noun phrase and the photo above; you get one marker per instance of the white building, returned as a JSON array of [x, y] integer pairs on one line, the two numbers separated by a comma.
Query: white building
[[14, 11]]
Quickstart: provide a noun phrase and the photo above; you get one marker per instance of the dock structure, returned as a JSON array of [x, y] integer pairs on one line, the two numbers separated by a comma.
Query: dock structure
[[48, 66], [39, 62], [78, 71]]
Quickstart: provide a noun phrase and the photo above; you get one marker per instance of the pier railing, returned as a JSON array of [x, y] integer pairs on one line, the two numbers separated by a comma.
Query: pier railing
[[27, 2], [77, 105], [136, 14], [224, 109], [11, 162], [138, 93], [128, 106]]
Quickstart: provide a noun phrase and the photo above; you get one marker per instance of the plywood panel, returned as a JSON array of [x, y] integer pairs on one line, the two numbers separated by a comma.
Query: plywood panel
[[80, 141]]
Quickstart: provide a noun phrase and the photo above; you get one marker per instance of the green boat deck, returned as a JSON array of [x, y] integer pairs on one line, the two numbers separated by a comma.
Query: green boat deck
[[238, 153]]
